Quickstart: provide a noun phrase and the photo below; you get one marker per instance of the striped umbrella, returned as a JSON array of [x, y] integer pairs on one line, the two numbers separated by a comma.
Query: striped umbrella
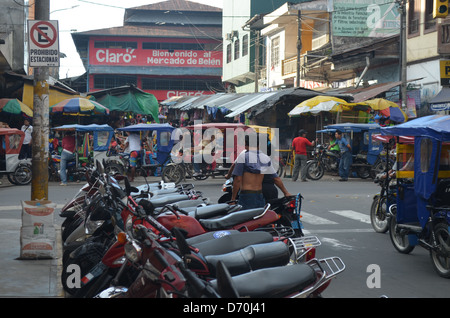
[[79, 106], [14, 106]]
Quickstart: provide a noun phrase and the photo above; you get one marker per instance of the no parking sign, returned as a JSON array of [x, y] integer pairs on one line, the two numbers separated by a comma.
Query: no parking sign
[[43, 43]]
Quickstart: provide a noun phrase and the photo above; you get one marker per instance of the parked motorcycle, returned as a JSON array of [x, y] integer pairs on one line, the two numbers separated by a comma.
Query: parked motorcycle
[[186, 273], [323, 161], [288, 208]]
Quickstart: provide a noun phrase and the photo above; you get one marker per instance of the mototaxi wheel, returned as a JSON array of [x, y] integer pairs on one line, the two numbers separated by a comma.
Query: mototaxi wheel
[[399, 239], [380, 221], [314, 170], [440, 256], [113, 168], [201, 177], [172, 173], [363, 172], [21, 176]]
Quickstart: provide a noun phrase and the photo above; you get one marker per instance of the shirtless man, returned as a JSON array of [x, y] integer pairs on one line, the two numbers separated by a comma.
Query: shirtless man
[[248, 173]]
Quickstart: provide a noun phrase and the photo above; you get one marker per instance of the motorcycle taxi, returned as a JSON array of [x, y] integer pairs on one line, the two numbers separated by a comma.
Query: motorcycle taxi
[[422, 214], [160, 135], [101, 140], [365, 150], [224, 152], [18, 171]]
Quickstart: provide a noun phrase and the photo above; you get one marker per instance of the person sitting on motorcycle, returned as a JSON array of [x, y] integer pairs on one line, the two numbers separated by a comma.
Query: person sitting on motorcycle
[[333, 146], [249, 170], [199, 158]]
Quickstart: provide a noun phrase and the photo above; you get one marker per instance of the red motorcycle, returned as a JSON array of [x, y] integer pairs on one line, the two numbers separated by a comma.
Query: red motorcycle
[[167, 274]]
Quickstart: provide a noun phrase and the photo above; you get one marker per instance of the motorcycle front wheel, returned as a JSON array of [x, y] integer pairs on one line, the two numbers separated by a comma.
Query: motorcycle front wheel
[[314, 170], [399, 239], [440, 257], [380, 220]]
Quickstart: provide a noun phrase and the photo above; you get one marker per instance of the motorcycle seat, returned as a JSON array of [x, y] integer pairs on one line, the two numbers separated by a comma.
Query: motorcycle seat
[[162, 201], [163, 192], [230, 220], [185, 205], [226, 241], [275, 282], [251, 258], [206, 212]]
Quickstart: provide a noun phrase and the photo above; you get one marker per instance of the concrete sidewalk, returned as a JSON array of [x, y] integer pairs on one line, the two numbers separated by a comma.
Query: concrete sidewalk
[[27, 278]]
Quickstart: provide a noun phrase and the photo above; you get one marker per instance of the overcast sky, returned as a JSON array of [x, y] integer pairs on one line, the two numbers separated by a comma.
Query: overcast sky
[[84, 15]]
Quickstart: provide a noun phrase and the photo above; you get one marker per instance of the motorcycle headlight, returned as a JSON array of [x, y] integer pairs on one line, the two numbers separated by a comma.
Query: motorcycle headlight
[[133, 251], [92, 226]]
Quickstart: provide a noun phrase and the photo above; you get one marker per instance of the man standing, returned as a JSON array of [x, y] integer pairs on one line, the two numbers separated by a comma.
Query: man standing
[[249, 169], [346, 155], [25, 151], [67, 154], [299, 145]]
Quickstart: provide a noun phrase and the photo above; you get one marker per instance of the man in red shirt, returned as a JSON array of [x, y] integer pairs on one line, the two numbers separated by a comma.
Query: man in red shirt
[[299, 145]]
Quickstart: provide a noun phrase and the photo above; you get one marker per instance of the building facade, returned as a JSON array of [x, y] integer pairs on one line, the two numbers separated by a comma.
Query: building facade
[[171, 48]]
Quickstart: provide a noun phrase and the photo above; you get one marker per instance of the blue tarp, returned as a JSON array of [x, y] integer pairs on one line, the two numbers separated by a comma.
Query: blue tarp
[[347, 127], [101, 140], [433, 126], [92, 127], [145, 127]]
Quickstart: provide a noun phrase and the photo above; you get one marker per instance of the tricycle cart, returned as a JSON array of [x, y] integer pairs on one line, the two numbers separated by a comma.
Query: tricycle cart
[[18, 171], [422, 215]]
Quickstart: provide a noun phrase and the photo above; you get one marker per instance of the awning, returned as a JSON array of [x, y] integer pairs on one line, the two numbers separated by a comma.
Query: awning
[[441, 101], [362, 94], [201, 102], [253, 100], [184, 103]]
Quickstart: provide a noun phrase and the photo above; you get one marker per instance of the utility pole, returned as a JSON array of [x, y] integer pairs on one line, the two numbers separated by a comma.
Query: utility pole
[[403, 61], [39, 183], [257, 61], [299, 44]]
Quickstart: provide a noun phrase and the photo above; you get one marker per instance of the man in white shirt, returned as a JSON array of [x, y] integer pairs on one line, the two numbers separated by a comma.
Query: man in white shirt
[[133, 146], [26, 150]]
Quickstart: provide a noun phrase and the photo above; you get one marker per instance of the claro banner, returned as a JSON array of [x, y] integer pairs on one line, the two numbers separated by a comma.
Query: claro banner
[[141, 57]]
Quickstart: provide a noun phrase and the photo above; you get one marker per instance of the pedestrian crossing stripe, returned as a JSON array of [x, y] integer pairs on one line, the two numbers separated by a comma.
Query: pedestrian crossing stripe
[[353, 215], [314, 219], [317, 220]]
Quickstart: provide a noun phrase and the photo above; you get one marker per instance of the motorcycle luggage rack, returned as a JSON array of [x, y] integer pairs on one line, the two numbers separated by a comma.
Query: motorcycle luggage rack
[[302, 245], [280, 231], [326, 268]]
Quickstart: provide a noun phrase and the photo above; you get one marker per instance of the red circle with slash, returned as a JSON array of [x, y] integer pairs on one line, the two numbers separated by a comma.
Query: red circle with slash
[[35, 28]]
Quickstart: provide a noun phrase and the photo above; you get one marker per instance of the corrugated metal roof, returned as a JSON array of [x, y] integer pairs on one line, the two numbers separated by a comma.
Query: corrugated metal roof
[[156, 31], [178, 5]]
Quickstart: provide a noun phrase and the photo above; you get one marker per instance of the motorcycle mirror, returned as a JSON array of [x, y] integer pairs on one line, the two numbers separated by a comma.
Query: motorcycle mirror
[[127, 186], [181, 242], [99, 166], [225, 284]]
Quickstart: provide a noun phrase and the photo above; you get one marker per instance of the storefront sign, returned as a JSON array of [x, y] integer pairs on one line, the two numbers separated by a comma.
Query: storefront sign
[[140, 57], [444, 66]]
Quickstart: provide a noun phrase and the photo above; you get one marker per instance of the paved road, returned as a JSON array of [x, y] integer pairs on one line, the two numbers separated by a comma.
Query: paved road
[[338, 214]]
